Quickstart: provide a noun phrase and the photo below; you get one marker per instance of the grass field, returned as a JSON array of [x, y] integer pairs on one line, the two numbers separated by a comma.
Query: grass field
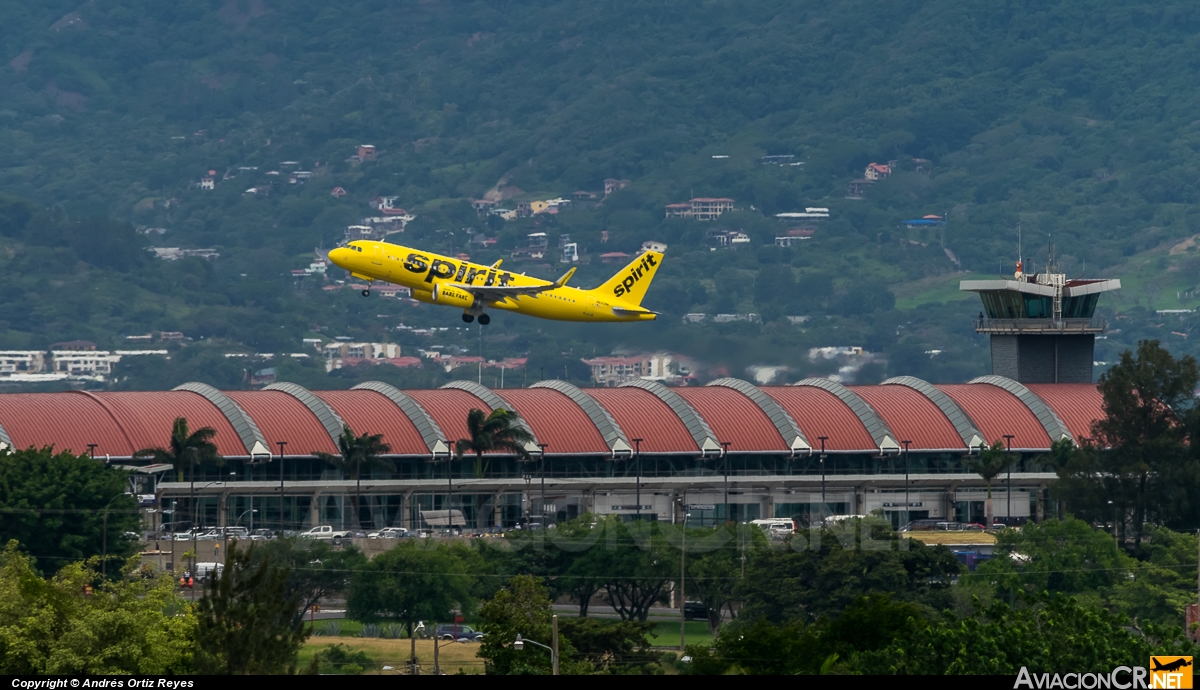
[[666, 633], [453, 657]]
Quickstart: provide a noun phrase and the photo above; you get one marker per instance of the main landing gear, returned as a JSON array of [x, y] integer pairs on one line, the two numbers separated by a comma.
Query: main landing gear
[[484, 319]]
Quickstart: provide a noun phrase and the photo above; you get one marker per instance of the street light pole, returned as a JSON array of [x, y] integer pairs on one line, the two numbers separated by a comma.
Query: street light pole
[[682, 579], [725, 457], [907, 516], [1008, 493], [104, 538], [637, 452], [543, 446], [824, 505], [282, 524]]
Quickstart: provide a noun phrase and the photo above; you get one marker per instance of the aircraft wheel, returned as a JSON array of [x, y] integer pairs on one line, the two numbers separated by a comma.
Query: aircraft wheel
[[468, 318], [484, 319], [366, 293]]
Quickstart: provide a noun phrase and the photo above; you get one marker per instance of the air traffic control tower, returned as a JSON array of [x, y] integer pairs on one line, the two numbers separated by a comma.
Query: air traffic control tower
[[1042, 326]]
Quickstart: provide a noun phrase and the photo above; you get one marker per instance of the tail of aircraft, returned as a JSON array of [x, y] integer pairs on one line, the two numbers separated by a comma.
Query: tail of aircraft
[[630, 283]]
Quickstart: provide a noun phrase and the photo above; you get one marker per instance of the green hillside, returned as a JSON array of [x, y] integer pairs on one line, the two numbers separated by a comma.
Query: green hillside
[[1073, 120]]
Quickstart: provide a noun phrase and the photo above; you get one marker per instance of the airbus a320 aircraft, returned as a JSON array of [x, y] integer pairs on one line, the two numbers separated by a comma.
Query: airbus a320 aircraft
[[474, 288]]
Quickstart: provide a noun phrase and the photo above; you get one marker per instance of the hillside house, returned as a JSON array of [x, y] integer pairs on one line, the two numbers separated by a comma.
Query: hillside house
[[857, 188], [611, 185], [482, 206], [652, 246], [877, 171], [338, 192], [663, 366], [700, 208], [209, 181], [366, 152], [611, 257], [924, 222], [582, 195]]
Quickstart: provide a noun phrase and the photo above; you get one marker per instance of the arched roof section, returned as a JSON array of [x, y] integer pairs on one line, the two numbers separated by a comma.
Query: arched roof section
[[612, 434], [787, 427], [282, 417], [149, 417], [367, 413], [641, 414], [882, 436], [912, 417], [701, 433], [431, 434], [1054, 426], [325, 414], [450, 407], [253, 441], [735, 419], [558, 421], [1076, 404], [5, 439], [821, 413], [67, 421], [998, 413], [963, 426], [495, 401]]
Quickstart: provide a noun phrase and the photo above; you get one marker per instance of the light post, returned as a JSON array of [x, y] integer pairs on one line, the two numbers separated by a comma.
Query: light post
[[725, 458], [682, 578], [92, 450], [528, 477], [282, 524], [519, 644], [637, 452], [907, 517], [1008, 497], [543, 446], [824, 505], [225, 533], [104, 538], [449, 492]]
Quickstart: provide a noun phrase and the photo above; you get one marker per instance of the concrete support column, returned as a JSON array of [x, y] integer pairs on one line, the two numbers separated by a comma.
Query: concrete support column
[[1041, 502], [590, 501], [768, 505], [859, 500], [314, 509], [222, 518], [498, 508], [406, 510]]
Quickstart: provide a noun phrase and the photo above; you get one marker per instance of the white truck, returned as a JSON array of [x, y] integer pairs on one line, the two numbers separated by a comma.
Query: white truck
[[325, 532]]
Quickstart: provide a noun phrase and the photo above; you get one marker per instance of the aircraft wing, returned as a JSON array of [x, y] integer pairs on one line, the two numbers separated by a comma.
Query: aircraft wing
[[497, 293]]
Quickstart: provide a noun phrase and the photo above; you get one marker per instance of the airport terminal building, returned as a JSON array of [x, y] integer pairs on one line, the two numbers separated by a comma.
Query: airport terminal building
[[725, 451]]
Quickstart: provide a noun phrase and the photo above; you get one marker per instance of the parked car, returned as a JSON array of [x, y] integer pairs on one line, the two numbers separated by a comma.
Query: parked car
[[205, 571], [459, 632], [390, 533], [324, 532], [261, 535]]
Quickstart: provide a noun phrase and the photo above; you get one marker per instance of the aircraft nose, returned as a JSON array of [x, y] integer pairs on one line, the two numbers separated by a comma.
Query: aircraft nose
[[339, 256]]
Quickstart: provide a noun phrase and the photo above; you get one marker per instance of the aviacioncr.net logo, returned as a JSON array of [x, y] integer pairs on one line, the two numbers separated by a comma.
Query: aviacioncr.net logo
[[1173, 672]]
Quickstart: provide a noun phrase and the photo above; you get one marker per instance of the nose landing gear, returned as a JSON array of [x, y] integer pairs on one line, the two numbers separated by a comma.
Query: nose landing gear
[[366, 293]]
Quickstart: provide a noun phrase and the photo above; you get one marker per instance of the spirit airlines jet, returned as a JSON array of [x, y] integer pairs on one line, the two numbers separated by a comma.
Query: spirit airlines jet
[[474, 288]]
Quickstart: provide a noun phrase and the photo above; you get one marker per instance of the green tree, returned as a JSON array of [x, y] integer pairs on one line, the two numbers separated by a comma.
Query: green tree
[[496, 431], [186, 449], [245, 618], [714, 566], [77, 623], [1138, 464], [410, 583], [634, 563], [55, 504], [989, 464], [522, 608], [316, 569], [357, 453], [614, 647]]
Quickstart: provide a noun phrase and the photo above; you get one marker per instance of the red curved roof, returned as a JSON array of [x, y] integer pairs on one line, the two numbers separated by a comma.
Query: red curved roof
[[734, 418], [449, 407], [911, 417], [997, 412], [556, 420], [148, 418], [368, 412], [821, 413], [67, 421], [1076, 404], [640, 414], [280, 417]]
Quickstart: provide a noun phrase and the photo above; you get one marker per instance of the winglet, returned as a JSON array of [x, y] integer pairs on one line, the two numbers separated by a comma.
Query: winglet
[[497, 264], [565, 277]]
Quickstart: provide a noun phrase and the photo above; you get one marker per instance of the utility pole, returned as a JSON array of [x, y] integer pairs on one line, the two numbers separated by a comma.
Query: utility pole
[[725, 456], [907, 516], [637, 444], [554, 643], [282, 524], [682, 582], [1008, 497], [824, 505]]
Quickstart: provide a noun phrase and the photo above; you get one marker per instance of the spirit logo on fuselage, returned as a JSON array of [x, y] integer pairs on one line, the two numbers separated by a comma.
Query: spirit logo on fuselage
[[635, 274], [461, 273]]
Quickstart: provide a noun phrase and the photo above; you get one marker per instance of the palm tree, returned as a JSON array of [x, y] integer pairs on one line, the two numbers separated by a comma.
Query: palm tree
[[185, 449], [988, 465], [355, 453], [495, 431]]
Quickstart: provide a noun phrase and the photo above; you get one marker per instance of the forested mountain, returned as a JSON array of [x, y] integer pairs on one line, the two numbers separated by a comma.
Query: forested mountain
[[1074, 120]]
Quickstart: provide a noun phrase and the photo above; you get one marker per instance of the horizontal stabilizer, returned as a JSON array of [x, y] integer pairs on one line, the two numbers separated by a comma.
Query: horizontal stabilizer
[[565, 277]]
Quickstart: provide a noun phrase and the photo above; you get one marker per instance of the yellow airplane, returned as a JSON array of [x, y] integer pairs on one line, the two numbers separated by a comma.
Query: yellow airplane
[[474, 288]]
